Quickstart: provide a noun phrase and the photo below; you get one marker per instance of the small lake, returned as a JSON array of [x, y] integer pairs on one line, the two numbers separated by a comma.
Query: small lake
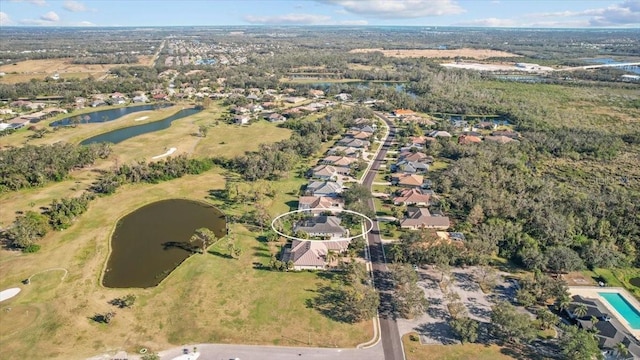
[[107, 115], [146, 244], [120, 135]]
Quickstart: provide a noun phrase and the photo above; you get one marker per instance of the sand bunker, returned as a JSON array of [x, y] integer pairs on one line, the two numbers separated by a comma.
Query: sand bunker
[[169, 152], [8, 293], [141, 118]]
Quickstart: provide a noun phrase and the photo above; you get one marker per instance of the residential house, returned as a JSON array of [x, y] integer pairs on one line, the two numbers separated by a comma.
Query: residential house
[[160, 97], [468, 139], [421, 218], [487, 125], [407, 180], [608, 330], [415, 197], [360, 135], [316, 93], [439, 134], [140, 99], [312, 255], [320, 203], [241, 119], [510, 134], [365, 128], [339, 160], [255, 108], [410, 167], [18, 123], [294, 99], [275, 117], [403, 112], [344, 151], [323, 188], [415, 157], [354, 143], [343, 97], [324, 172], [97, 103], [322, 226]]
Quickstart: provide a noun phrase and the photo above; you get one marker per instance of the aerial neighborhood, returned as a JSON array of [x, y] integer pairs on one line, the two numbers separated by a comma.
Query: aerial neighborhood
[[334, 191]]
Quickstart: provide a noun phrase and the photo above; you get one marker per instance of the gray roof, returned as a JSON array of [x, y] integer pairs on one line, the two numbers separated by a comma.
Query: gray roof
[[329, 225]]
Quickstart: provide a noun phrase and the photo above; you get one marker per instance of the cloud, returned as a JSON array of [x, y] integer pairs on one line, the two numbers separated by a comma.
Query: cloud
[[5, 19], [74, 6], [34, 2], [398, 9], [626, 13], [50, 16], [289, 19], [490, 22]]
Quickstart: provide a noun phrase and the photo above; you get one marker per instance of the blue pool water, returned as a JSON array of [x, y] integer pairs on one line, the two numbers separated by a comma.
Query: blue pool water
[[623, 307]]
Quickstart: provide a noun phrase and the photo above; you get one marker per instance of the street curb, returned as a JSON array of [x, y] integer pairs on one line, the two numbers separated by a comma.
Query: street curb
[[376, 335]]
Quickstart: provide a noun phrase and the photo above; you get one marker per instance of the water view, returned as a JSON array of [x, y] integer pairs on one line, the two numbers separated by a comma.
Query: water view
[[106, 115], [152, 241], [120, 135], [624, 308]]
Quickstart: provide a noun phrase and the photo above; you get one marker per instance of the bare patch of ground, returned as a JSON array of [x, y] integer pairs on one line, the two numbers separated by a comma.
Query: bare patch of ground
[[433, 53]]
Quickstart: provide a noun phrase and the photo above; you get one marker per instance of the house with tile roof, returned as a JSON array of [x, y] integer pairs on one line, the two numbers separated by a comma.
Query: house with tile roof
[[407, 180], [420, 218], [469, 139], [323, 188], [312, 255], [335, 160], [323, 226], [318, 204], [415, 197]]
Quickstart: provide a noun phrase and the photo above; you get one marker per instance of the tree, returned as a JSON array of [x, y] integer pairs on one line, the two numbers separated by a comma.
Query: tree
[[510, 325], [561, 259], [408, 297], [356, 193], [580, 310], [205, 237], [466, 329], [126, 301], [563, 302], [547, 319], [578, 344], [203, 130], [27, 229], [621, 349]]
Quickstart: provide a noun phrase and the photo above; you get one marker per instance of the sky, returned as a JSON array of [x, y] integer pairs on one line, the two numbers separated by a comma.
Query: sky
[[484, 13]]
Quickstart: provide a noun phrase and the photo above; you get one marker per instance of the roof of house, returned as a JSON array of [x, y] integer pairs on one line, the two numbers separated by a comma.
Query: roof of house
[[313, 253], [339, 160], [319, 202], [409, 179], [324, 187], [412, 196], [439, 133], [414, 156], [324, 170], [421, 140], [468, 139], [351, 142], [329, 225], [403, 112], [421, 217]]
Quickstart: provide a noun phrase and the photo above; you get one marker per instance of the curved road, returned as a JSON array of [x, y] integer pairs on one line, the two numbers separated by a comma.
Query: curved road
[[389, 334]]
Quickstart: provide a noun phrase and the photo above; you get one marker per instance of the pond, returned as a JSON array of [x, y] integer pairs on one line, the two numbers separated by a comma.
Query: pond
[[635, 281], [123, 134], [152, 241], [106, 115]]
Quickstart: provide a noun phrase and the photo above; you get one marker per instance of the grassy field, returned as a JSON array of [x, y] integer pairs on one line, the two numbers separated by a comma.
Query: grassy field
[[204, 300], [24, 71], [415, 351], [617, 277]]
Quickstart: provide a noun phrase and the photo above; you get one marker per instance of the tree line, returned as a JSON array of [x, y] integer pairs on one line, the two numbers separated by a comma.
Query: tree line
[[32, 166]]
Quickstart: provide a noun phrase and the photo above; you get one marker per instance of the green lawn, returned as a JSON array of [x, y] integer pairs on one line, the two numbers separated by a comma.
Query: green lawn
[[416, 351], [617, 277]]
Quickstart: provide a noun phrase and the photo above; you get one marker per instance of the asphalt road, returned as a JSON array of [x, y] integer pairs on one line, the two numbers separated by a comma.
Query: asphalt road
[[390, 336], [249, 352]]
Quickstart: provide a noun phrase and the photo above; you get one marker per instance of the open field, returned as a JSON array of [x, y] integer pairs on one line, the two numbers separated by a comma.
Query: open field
[[204, 300], [433, 53], [39, 69], [416, 351]]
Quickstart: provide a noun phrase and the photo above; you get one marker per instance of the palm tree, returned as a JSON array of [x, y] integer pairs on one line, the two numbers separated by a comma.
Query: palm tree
[[331, 257], [621, 349], [563, 302], [580, 310]]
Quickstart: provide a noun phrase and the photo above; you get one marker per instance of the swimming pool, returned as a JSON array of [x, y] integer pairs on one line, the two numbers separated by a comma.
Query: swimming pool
[[623, 307]]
